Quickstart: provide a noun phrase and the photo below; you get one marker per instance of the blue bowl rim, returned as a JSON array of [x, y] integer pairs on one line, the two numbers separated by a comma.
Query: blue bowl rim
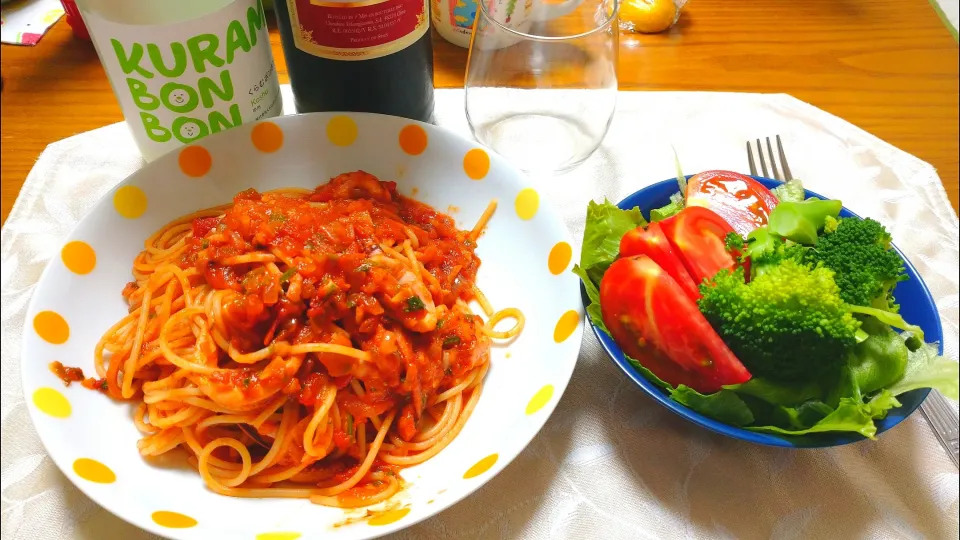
[[766, 439]]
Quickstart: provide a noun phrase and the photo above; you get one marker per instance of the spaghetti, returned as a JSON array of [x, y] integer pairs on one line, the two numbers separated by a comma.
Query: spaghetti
[[304, 344]]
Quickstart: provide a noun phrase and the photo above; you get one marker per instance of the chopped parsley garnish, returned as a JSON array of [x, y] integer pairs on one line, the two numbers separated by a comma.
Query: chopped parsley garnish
[[350, 425], [327, 288], [278, 217], [440, 323], [246, 382], [365, 267], [204, 243], [451, 341], [414, 303]]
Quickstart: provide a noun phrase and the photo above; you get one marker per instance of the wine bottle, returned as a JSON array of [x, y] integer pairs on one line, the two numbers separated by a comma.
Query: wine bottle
[[363, 56]]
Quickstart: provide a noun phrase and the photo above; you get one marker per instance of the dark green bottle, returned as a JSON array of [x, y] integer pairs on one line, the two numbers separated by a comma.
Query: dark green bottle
[[364, 56]]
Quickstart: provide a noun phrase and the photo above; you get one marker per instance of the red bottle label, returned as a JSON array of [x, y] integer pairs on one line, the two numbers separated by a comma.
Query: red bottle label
[[357, 30]]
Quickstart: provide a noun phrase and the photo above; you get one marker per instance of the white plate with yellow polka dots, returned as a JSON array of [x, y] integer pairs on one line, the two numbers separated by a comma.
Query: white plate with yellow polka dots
[[525, 252]]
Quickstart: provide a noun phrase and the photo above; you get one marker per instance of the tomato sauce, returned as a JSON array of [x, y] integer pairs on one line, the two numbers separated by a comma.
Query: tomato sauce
[[337, 281], [71, 375], [66, 374]]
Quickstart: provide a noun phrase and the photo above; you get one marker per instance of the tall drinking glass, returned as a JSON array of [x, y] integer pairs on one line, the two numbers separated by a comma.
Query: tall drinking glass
[[541, 83]]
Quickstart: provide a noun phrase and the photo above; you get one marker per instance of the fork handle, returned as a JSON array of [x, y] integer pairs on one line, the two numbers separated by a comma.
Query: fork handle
[[943, 419]]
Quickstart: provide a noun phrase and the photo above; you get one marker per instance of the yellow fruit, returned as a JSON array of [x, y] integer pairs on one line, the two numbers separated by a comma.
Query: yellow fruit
[[648, 16]]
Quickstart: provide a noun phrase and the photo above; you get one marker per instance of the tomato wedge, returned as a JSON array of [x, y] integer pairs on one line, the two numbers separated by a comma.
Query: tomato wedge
[[699, 237], [654, 244], [740, 200], [655, 323]]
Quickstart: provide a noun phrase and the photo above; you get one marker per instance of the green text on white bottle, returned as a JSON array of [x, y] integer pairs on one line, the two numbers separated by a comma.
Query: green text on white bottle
[[183, 69]]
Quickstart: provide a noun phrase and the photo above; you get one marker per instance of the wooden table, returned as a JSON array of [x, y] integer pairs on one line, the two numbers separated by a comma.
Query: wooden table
[[888, 66]]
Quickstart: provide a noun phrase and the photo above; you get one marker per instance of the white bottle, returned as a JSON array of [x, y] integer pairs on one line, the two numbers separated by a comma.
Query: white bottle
[[183, 69]]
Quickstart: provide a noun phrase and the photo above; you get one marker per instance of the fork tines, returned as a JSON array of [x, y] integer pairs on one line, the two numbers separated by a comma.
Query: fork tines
[[787, 175]]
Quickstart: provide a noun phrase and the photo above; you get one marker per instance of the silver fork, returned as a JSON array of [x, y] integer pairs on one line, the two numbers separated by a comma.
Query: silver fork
[[936, 409], [787, 175]]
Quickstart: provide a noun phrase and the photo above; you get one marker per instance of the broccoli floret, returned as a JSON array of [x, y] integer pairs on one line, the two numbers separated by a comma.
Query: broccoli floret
[[859, 251], [788, 324], [760, 243], [733, 242], [830, 225], [766, 250], [790, 191]]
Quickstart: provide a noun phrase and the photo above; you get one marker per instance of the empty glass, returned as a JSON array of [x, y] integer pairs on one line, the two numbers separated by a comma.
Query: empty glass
[[541, 82]]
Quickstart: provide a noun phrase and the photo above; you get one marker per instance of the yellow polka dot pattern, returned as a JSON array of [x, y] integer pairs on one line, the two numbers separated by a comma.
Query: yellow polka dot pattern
[[51, 327], [481, 466], [540, 399], [94, 471], [78, 257], [130, 202], [559, 258], [342, 130], [51, 402], [388, 517], [527, 203], [565, 326], [173, 520], [278, 536]]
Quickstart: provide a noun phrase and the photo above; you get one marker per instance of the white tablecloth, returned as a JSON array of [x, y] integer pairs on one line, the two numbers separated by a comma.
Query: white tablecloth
[[610, 463]]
